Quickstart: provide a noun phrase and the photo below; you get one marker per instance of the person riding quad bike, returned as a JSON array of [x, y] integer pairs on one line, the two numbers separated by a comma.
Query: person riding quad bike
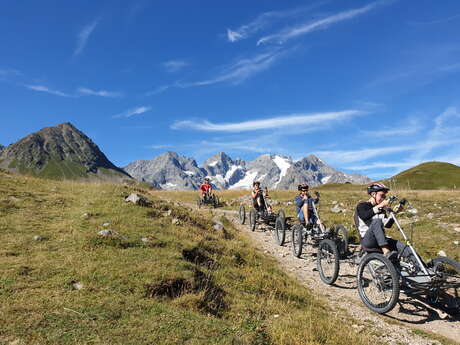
[[304, 205], [371, 221], [206, 189], [258, 198]]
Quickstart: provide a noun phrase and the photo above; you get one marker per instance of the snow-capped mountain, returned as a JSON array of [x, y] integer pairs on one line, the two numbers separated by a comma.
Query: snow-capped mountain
[[172, 171]]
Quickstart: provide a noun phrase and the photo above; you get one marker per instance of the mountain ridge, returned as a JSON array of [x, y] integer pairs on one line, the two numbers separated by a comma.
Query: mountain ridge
[[173, 171]]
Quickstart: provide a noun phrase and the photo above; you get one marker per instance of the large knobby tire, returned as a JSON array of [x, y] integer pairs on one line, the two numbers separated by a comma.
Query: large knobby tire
[[216, 201], [297, 239], [242, 214], [281, 214], [327, 261], [252, 219], [280, 230], [448, 270], [378, 283], [341, 233]]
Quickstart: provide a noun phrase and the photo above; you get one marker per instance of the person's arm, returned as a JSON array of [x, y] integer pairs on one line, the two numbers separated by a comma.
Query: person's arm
[[365, 211], [316, 200], [254, 193], [299, 201]]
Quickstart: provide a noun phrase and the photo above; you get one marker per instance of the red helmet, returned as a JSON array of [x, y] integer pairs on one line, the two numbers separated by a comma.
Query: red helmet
[[377, 187]]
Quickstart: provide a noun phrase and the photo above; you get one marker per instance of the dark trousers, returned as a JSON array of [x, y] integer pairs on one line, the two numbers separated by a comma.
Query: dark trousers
[[375, 238]]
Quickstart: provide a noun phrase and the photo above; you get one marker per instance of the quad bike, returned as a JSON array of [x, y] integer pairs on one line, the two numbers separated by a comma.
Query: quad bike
[[380, 278]]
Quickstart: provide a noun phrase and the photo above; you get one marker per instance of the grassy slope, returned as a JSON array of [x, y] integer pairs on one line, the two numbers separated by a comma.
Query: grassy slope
[[433, 229], [430, 175], [229, 297]]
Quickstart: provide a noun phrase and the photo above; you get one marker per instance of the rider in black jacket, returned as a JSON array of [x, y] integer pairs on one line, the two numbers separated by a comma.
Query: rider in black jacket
[[371, 221]]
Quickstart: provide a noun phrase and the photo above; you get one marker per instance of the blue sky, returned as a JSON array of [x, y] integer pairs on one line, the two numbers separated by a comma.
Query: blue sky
[[369, 86]]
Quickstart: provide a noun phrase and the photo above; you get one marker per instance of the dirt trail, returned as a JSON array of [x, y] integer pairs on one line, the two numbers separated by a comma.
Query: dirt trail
[[396, 327]]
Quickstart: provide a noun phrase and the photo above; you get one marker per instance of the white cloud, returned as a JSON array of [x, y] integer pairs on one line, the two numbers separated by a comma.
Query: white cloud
[[101, 93], [387, 133], [323, 23], [241, 70], [293, 120], [42, 88], [264, 20], [132, 112], [83, 36], [175, 65], [234, 73]]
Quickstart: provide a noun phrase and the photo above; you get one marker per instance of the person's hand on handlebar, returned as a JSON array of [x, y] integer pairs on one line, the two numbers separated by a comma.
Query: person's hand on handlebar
[[383, 204]]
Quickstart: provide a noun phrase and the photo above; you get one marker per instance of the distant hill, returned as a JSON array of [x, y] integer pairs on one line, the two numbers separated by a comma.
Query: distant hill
[[60, 152], [429, 175]]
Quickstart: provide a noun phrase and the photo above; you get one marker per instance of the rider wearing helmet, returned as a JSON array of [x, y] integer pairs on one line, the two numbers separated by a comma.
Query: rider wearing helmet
[[304, 204], [371, 220], [206, 188]]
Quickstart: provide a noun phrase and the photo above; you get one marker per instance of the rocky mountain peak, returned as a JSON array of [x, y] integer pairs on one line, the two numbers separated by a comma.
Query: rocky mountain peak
[[272, 170], [61, 151]]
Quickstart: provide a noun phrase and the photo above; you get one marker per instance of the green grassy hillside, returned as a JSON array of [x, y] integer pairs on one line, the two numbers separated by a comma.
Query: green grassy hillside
[[430, 175], [188, 284]]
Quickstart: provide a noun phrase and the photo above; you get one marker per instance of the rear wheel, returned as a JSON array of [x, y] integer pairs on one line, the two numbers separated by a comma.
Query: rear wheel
[[242, 214], [342, 240], [448, 270], [378, 283], [280, 230], [252, 220], [327, 261], [281, 214], [297, 240]]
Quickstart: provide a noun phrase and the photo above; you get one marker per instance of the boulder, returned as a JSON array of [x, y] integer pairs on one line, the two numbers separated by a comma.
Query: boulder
[[138, 199], [175, 221], [336, 209], [107, 233], [442, 253], [218, 227], [39, 238]]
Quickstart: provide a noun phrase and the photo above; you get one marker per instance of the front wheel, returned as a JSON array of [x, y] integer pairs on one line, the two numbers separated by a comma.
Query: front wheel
[[297, 240], [378, 283], [242, 214], [252, 220], [448, 271], [280, 230], [327, 261], [342, 240]]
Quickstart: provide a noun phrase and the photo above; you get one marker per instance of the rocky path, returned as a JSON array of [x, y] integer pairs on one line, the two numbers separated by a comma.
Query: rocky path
[[400, 326]]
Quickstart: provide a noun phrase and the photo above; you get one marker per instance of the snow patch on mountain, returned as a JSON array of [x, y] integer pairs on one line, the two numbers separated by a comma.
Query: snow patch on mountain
[[246, 181], [325, 179], [213, 164], [189, 173], [283, 164]]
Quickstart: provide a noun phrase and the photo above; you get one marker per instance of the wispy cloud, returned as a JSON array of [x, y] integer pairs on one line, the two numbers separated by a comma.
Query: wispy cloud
[[296, 31], [437, 21], [269, 123], [101, 93], [234, 73], [42, 88], [242, 69], [410, 127], [133, 112], [263, 21], [175, 65], [9, 71], [83, 36]]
